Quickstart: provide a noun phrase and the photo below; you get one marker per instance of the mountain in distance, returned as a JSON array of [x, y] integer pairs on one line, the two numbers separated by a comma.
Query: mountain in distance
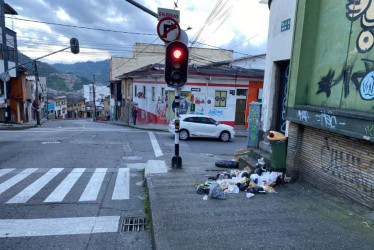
[[101, 70], [55, 79]]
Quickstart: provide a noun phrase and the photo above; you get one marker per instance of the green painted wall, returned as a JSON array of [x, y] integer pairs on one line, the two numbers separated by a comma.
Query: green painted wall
[[332, 62], [327, 68]]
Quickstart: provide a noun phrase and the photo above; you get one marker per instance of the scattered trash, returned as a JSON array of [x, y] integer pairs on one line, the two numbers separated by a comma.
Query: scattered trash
[[205, 198], [350, 213], [259, 181], [227, 164], [249, 195], [216, 192]]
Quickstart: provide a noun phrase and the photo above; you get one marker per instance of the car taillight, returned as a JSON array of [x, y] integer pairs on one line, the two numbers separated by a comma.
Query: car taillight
[[271, 134]]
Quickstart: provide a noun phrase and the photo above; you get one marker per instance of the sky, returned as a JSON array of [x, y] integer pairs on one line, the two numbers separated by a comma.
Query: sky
[[240, 25]]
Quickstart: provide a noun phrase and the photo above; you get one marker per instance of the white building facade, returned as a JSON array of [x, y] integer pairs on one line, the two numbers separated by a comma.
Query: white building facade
[[206, 93], [278, 54]]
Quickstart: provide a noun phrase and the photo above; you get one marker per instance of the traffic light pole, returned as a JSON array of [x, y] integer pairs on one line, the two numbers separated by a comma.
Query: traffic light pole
[[176, 161], [36, 92]]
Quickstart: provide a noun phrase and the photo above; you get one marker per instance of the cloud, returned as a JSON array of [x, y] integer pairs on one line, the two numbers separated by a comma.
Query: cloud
[[63, 15], [249, 18]]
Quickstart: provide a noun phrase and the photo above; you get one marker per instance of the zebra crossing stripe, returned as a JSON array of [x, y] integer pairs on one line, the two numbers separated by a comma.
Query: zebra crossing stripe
[[15, 179], [35, 187], [93, 187], [5, 171], [58, 226], [65, 186], [122, 186]]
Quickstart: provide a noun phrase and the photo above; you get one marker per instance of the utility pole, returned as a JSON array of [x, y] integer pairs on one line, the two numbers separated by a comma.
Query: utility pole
[[5, 59], [46, 92], [94, 96], [36, 92]]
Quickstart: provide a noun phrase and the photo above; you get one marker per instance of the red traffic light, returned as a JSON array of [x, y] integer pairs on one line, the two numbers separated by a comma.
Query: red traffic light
[[177, 54]]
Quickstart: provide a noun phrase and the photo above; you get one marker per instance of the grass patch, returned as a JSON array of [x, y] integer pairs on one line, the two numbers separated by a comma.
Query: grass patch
[[147, 211], [143, 172]]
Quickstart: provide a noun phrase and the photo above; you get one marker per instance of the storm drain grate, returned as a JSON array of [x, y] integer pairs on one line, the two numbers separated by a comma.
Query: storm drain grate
[[133, 224]]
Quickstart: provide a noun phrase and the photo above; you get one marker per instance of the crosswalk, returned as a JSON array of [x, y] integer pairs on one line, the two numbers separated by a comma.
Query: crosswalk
[[11, 177]]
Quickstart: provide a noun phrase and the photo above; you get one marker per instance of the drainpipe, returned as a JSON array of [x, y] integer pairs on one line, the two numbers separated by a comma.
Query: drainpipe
[[206, 95]]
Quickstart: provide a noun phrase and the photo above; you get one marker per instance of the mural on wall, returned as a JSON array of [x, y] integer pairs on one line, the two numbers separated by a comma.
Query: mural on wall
[[363, 80], [162, 108], [185, 103], [362, 10], [216, 112]]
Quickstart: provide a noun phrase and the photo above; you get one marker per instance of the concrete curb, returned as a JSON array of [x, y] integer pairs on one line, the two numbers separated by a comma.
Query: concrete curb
[[153, 129], [132, 126], [22, 127]]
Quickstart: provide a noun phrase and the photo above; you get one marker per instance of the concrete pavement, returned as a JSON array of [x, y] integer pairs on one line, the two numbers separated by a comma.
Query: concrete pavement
[[298, 216]]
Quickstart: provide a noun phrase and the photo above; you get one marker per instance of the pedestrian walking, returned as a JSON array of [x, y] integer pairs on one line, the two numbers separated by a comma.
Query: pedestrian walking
[[134, 114]]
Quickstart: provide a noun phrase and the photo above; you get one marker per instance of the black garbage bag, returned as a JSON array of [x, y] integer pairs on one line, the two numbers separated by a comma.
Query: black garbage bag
[[202, 190], [216, 192], [227, 164]]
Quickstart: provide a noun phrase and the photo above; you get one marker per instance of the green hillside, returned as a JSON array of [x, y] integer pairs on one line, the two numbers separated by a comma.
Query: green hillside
[[55, 79], [87, 69]]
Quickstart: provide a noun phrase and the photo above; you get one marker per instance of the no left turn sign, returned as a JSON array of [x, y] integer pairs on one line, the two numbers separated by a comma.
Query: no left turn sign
[[168, 29]]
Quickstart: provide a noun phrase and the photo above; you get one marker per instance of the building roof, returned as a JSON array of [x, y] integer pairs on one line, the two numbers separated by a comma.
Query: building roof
[[74, 97], [210, 70], [9, 10]]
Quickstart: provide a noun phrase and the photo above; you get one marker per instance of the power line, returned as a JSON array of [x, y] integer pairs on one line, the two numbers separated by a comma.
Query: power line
[[82, 27]]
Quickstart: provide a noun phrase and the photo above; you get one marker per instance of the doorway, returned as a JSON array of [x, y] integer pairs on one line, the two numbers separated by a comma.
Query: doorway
[[240, 112]]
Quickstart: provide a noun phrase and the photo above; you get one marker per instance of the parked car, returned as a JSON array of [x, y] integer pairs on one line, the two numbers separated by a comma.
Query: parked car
[[202, 126]]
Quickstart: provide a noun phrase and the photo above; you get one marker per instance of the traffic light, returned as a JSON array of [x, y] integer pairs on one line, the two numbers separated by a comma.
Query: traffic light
[[176, 64], [74, 46]]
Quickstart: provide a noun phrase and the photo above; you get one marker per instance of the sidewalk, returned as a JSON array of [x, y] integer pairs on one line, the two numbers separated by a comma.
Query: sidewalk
[[298, 216], [20, 126], [239, 132]]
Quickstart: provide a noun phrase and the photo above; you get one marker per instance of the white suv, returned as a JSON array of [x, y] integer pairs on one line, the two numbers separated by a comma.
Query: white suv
[[202, 126]]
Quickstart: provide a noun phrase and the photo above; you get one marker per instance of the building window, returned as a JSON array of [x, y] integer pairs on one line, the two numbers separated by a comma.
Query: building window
[[135, 91], [153, 94], [11, 54], [144, 91], [162, 92], [241, 92], [220, 99]]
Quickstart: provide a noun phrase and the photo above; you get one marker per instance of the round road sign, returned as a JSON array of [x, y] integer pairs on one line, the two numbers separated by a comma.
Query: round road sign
[[168, 29]]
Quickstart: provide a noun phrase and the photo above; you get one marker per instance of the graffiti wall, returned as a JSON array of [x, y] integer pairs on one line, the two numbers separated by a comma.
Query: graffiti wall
[[337, 163], [333, 65]]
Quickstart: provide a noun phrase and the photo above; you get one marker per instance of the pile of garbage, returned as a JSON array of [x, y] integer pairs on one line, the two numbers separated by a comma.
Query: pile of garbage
[[260, 181]]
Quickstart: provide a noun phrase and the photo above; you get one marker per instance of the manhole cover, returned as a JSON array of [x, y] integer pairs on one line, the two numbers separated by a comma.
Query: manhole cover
[[51, 142], [132, 157], [133, 224]]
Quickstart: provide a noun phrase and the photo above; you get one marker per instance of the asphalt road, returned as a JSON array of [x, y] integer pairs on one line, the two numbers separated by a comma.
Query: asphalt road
[[70, 184]]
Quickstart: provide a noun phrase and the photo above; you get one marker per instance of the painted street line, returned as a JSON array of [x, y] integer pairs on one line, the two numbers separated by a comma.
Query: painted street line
[[63, 189], [122, 186], [5, 171], [15, 179], [58, 226], [93, 187], [35, 187], [156, 147]]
